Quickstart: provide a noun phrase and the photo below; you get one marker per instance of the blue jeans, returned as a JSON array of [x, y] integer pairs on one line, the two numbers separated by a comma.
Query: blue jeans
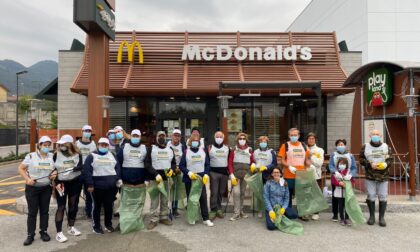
[[291, 186], [289, 213]]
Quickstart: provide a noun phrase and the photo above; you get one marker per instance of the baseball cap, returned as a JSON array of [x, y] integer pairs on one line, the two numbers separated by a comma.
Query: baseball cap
[[161, 133], [118, 128], [44, 139], [136, 132], [176, 131], [65, 139], [87, 127], [103, 140]]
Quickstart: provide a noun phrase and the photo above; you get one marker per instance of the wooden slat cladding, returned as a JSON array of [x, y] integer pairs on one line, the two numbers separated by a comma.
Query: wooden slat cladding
[[164, 71]]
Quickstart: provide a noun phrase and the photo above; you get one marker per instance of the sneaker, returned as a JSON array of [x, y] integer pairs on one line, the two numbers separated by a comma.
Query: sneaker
[[208, 223], [176, 214], [28, 240], [220, 214], [315, 217], [109, 229], [166, 222], [348, 223], [235, 217], [212, 215], [342, 222], [304, 218], [243, 215], [151, 225], [45, 236], [334, 218], [98, 230], [73, 231], [60, 237]]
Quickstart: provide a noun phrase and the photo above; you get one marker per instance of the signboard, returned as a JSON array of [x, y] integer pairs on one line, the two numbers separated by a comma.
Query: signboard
[[130, 51], [379, 87], [94, 15], [369, 125], [234, 120]]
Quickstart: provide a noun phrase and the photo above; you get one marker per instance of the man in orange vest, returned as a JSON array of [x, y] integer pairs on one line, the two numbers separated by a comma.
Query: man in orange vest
[[293, 155]]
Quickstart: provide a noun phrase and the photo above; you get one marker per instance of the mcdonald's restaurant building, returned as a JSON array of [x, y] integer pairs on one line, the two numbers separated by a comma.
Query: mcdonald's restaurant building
[[257, 83]]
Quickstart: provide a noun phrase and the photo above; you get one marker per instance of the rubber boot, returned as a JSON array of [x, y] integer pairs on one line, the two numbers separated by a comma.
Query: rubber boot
[[382, 209], [371, 206]]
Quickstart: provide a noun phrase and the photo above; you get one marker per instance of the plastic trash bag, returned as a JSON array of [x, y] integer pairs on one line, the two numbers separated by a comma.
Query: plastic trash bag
[[193, 204], [352, 206], [286, 225], [131, 209], [155, 188], [309, 197], [255, 183]]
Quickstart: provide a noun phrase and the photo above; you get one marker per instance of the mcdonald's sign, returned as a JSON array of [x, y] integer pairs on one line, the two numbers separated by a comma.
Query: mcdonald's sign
[[130, 48]]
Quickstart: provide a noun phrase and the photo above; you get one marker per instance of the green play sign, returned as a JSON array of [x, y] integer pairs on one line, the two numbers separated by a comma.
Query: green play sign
[[379, 87]]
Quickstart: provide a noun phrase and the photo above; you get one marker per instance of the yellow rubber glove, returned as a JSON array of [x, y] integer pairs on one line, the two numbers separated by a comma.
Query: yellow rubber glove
[[317, 155], [263, 168], [272, 215], [205, 179], [158, 178], [381, 166], [233, 180], [192, 175], [252, 168], [169, 173], [282, 210]]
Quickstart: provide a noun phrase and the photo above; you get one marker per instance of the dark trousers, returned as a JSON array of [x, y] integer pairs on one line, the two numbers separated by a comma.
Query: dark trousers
[[103, 198], [291, 186], [218, 185], [342, 209], [203, 201], [88, 201], [71, 193], [334, 203], [38, 198], [289, 213]]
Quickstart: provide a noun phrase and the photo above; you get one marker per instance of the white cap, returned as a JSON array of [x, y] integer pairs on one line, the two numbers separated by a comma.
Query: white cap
[[176, 131], [135, 132], [103, 140], [44, 139], [118, 128], [110, 131], [87, 127], [65, 139]]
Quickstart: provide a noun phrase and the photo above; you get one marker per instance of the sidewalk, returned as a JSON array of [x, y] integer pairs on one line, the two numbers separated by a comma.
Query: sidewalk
[[6, 150]]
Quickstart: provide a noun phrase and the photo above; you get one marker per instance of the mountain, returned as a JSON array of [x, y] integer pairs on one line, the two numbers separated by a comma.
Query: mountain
[[39, 75]]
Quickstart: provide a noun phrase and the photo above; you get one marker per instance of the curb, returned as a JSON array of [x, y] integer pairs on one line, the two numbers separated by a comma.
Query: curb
[[10, 162]]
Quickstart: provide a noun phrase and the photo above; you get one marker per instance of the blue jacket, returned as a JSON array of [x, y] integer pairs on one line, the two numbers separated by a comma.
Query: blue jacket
[[275, 194], [183, 165], [100, 182], [353, 167], [266, 174]]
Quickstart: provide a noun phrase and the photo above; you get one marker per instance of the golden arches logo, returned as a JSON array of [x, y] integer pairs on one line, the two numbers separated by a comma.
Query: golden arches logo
[[130, 48]]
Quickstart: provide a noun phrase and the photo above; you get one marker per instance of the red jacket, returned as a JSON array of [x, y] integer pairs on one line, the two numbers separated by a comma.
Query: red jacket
[[232, 156]]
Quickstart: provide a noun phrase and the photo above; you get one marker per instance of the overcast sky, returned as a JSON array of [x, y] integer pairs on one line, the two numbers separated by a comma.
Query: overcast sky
[[34, 30]]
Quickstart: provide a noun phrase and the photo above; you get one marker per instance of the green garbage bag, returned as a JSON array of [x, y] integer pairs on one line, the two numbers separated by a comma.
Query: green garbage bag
[[154, 188], [309, 197], [193, 204], [131, 209], [178, 191], [255, 183], [286, 225], [352, 206]]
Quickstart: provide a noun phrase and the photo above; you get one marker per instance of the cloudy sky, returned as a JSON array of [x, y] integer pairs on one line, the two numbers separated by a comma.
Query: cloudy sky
[[34, 30]]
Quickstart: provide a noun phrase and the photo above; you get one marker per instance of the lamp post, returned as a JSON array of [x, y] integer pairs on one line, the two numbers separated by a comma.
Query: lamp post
[[17, 110]]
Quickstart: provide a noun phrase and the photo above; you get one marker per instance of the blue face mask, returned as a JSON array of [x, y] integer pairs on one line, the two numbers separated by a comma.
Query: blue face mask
[[103, 150], [135, 140], [376, 139], [111, 136], [341, 148], [119, 135], [195, 144], [87, 134], [263, 145], [45, 150], [294, 139]]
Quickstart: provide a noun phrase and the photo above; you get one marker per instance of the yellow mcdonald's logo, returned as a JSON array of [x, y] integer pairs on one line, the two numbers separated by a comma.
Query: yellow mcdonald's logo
[[130, 48]]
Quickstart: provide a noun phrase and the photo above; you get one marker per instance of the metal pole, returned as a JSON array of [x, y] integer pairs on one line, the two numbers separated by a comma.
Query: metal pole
[[362, 109], [17, 115], [411, 148]]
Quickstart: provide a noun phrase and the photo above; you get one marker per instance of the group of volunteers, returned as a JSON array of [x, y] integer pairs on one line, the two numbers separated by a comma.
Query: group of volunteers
[[116, 173]]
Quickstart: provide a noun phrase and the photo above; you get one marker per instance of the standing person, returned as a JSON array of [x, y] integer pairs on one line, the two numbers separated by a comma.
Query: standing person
[[219, 155], [196, 130], [294, 156], [375, 156], [178, 148], [240, 160], [37, 169], [265, 158], [160, 157], [276, 192], [112, 141], [86, 146], [344, 170], [341, 152], [69, 164], [317, 160], [121, 137], [102, 172], [195, 161]]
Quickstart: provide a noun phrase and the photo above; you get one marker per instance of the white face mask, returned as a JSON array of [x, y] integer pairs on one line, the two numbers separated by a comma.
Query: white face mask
[[242, 142], [218, 140], [341, 167]]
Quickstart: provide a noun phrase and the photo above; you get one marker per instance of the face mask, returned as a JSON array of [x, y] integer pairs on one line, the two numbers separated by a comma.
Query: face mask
[[263, 145], [376, 139], [294, 139], [135, 140], [119, 135], [342, 167], [341, 148], [219, 140], [111, 136], [103, 150], [242, 142], [87, 134], [45, 149], [195, 144], [63, 148], [161, 141]]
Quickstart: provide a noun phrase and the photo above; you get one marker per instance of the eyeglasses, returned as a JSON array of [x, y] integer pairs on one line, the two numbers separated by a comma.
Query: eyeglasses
[[242, 138]]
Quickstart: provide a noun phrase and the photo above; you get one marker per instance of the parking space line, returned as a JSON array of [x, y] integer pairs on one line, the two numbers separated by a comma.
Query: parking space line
[[5, 212], [13, 183], [8, 201], [9, 178]]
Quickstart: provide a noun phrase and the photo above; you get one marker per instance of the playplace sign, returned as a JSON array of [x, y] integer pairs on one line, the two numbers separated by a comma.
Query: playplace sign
[[378, 84], [193, 52]]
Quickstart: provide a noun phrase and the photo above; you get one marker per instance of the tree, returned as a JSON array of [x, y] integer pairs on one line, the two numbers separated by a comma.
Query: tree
[[24, 103], [54, 121]]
